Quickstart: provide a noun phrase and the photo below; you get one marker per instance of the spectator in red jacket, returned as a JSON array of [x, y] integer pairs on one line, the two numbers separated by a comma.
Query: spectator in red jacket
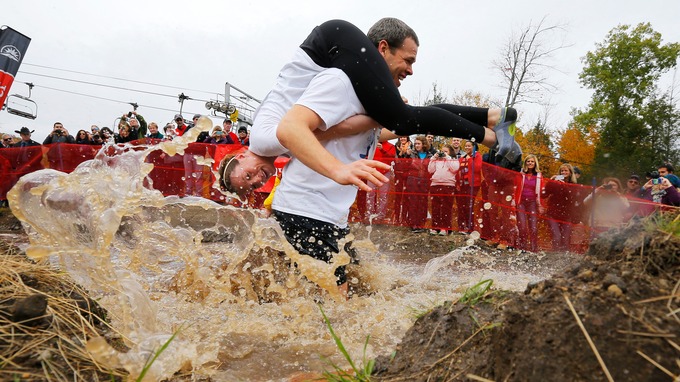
[[372, 205], [562, 198], [469, 182]]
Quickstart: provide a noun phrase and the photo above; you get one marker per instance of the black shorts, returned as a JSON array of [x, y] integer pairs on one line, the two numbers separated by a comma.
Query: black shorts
[[298, 231]]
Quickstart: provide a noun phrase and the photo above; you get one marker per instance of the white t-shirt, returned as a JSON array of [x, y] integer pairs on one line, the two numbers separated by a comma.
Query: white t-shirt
[[329, 93]]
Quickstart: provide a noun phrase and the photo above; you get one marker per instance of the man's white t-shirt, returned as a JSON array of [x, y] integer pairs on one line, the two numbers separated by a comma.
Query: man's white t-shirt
[[329, 93]]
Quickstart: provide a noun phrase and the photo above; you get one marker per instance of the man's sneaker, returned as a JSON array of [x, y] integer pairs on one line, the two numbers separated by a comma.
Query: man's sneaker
[[515, 153], [505, 132]]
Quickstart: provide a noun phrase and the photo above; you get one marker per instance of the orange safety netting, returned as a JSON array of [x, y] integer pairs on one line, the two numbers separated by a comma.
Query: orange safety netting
[[487, 200]]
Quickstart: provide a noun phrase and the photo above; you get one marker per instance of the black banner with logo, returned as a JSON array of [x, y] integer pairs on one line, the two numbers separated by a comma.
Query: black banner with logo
[[13, 46]]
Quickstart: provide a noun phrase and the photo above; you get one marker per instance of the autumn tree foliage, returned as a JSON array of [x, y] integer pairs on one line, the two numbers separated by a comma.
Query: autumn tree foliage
[[576, 145]]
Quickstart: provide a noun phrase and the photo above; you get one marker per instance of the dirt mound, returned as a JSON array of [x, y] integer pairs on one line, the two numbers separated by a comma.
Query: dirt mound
[[625, 293], [45, 320]]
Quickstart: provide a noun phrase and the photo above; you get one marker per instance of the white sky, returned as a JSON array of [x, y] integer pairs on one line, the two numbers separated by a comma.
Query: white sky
[[200, 45]]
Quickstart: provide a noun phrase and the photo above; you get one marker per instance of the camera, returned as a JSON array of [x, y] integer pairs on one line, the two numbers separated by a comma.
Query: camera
[[657, 180], [129, 114], [607, 186], [653, 174], [559, 177], [440, 154]]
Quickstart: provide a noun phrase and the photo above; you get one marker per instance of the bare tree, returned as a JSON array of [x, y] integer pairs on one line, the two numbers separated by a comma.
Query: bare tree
[[525, 62]]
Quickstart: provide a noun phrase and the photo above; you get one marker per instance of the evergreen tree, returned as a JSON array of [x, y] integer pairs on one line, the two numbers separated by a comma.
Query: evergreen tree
[[638, 129]]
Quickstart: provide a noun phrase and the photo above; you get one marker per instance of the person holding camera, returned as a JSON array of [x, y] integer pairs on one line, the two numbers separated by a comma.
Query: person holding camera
[[608, 207], [562, 196], [218, 137], [660, 190], [442, 187], [59, 135]]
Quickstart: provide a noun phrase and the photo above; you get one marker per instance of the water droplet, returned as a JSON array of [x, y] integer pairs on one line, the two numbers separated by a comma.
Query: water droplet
[[363, 50], [475, 235], [508, 198], [487, 206]]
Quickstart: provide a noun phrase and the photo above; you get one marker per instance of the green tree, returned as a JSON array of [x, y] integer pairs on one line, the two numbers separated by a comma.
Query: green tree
[[632, 120]]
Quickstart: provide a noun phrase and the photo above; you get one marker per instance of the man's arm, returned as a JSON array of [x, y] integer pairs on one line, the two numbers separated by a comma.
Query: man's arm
[[351, 126], [386, 135], [296, 133]]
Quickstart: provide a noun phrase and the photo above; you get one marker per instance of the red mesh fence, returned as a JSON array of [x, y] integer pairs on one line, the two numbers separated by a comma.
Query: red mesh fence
[[487, 199]]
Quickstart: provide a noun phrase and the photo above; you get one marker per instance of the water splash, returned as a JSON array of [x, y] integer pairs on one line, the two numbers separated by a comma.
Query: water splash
[[222, 274]]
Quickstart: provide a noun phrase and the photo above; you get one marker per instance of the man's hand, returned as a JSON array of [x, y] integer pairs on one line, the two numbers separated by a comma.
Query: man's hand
[[357, 173]]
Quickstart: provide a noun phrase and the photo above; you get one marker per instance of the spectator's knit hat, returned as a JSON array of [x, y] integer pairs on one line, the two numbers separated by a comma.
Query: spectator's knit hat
[[178, 116], [675, 181], [577, 170], [196, 116], [227, 120], [24, 130], [635, 177], [244, 129]]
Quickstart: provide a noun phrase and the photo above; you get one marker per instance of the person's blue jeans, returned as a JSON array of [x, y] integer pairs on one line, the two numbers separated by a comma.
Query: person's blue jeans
[[561, 235]]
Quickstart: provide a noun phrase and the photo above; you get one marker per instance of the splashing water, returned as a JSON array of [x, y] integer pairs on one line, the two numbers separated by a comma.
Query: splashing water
[[221, 274]]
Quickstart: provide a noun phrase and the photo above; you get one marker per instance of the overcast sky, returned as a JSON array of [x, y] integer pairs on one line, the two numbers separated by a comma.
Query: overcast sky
[[195, 47]]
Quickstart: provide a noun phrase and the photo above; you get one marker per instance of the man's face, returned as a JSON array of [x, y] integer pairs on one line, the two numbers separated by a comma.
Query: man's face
[[663, 171], [58, 126], [133, 122], [401, 60], [179, 121], [252, 172], [455, 142], [226, 126], [153, 129], [633, 184], [430, 138], [6, 139]]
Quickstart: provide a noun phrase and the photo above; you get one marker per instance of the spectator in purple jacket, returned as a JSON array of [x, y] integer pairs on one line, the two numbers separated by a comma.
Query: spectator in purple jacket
[[660, 190]]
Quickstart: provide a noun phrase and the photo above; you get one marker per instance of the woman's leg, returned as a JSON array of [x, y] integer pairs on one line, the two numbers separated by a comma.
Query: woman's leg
[[339, 44], [532, 210]]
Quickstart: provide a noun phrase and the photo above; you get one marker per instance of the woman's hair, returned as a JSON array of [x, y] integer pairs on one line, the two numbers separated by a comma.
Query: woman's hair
[[615, 180], [81, 131], [227, 165], [448, 147], [537, 169], [572, 175], [423, 140]]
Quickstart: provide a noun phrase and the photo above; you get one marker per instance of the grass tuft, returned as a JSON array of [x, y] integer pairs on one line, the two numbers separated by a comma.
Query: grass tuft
[[357, 374]]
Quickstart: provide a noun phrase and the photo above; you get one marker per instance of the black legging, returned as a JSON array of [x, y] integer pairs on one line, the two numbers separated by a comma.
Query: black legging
[[339, 44]]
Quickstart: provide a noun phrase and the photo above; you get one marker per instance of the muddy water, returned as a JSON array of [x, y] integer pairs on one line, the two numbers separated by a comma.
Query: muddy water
[[221, 278]]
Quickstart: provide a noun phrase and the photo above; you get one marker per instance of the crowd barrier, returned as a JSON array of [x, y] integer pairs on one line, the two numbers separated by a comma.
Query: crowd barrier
[[489, 206]]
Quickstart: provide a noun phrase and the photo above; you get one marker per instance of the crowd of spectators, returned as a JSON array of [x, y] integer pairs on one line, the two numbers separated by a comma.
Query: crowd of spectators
[[433, 179], [131, 127], [445, 180]]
